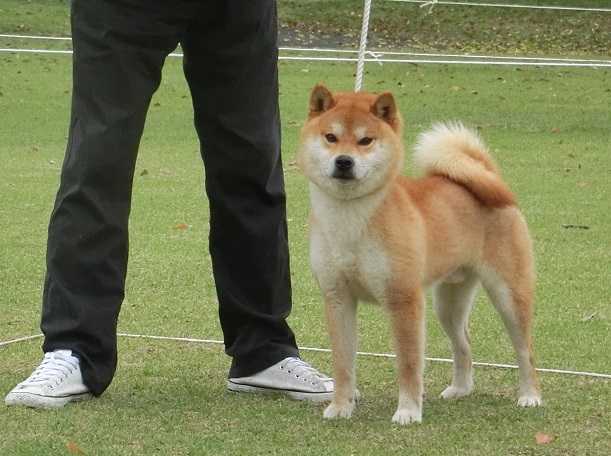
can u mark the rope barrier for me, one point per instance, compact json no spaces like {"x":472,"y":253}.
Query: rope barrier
{"x":451,"y":62}
{"x":432,"y":3}
{"x":379,"y":53}
{"x":375,"y":54}
{"x":327,"y":350}
{"x":464,"y":60}
{"x":36,"y":37}
{"x":20,"y":339}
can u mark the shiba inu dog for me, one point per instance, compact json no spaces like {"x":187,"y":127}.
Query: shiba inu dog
{"x":381,"y":237}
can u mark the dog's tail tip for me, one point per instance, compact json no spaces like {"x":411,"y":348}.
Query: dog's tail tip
{"x":458,"y":153}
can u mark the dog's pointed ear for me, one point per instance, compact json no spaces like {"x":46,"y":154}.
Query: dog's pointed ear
{"x":385,"y":108}
{"x":321,"y":100}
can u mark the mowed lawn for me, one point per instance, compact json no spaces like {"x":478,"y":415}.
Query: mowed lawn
{"x":549,"y":130}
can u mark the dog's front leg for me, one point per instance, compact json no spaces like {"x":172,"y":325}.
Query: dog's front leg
{"x":406,"y":308}
{"x":340,"y":310}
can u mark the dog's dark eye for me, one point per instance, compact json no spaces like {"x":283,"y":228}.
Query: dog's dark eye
{"x":365,"y":141}
{"x":330,"y":137}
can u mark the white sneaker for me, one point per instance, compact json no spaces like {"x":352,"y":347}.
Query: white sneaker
{"x":57,"y":381}
{"x":292,"y":377}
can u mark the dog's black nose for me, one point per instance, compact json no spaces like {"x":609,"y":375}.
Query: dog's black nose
{"x":344,"y":163}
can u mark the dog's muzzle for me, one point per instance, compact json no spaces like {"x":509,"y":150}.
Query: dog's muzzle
{"x":344,"y":167}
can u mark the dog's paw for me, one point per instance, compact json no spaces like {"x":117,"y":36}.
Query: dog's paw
{"x":335,"y":410}
{"x":454,"y":392}
{"x":530,"y":400}
{"x":405,"y":416}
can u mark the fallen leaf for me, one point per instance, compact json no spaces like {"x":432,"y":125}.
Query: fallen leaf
{"x":589,"y":316}
{"x":181,"y":226}
{"x":73,"y":448}
{"x":543,"y":439}
{"x":555,"y":130}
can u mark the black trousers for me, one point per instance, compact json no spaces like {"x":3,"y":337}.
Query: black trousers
{"x":230,"y":63}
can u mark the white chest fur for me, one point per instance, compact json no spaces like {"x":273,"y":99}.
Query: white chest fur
{"x":344,"y":250}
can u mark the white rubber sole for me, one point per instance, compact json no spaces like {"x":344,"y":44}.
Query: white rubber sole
{"x":325,"y":396}
{"x":43,"y":402}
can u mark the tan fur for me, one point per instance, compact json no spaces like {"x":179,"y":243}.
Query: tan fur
{"x":452,"y":151}
{"x":383,"y":237}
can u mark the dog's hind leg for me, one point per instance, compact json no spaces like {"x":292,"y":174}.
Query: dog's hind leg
{"x":340,"y":310}
{"x":514,"y":303}
{"x":453,"y":303}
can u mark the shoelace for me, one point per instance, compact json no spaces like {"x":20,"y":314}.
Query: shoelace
{"x":55,"y":366}
{"x":303,"y":370}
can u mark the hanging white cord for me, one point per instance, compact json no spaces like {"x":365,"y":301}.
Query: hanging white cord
{"x":360,"y":65}
{"x":430,"y":4}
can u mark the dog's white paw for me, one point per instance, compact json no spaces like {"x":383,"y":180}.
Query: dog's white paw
{"x":454,"y":392}
{"x":530,"y":400}
{"x":335,"y":410}
{"x":404,"y":416}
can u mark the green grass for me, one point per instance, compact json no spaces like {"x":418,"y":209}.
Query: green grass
{"x":170,"y":399}
{"x":549,"y":130}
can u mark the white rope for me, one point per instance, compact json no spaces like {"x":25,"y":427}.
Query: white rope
{"x":20,"y":339}
{"x":380,"y":53}
{"x":35,"y":51}
{"x":375,"y":54}
{"x":36,"y":37}
{"x":360,"y":65}
{"x":327,"y":350}
{"x":179,"y":339}
{"x":450,"y":62}
{"x":432,"y":3}
{"x":57,"y":51}
{"x":552,"y":63}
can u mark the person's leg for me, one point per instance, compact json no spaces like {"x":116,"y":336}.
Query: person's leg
{"x":119,"y":50}
{"x":231,"y":67}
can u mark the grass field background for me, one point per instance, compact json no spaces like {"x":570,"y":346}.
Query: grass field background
{"x":549,"y":130}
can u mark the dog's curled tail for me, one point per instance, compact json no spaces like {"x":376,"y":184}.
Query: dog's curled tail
{"x":453,"y":151}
